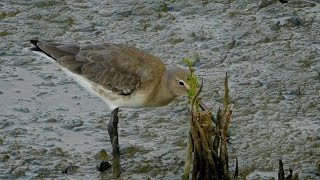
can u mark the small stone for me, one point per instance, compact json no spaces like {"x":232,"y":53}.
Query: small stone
{"x":231,"y":44}
{"x":76,"y":97}
{"x":303,"y":4}
{"x":275,"y":26}
{"x":73,"y":123}
{"x":19,"y":131}
{"x":57,"y":152}
{"x":18,"y":172}
{"x":21,"y":109}
{"x":102,"y":155}
{"x":62,"y":108}
{"x":4,"y":158}
{"x":171,"y":17}
{"x":283,"y":1}
{"x":265,"y":3}
{"x":61,"y":165}
{"x":41,"y":94}
{"x":294,"y":21}
{"x":257,"y":83}
{"x":104,"y":165}
{"x":52,"y":120}
{"x":71,"y":170}
{"x":43,"y":173}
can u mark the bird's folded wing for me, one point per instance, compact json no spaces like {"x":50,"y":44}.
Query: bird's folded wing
{"x":116,"y":67}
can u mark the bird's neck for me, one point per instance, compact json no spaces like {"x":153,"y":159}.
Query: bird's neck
{"x":164,"y":94}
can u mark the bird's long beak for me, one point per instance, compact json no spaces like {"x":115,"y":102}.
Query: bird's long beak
{"x":187,"y":86}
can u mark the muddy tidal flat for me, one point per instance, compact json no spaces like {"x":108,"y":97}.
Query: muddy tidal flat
{"x":269,"y":49}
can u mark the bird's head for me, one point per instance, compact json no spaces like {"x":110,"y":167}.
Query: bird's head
{"x":178,"y":83}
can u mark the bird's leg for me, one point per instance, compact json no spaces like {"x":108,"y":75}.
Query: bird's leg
{"x":113,"y":134}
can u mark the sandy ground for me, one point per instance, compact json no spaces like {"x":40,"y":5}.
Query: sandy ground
{"x":270,"y":50}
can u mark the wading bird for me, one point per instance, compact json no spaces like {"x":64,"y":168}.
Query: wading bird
{"x":121,"y":75}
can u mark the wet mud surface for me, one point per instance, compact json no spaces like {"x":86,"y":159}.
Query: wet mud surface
{"x":270,"y":50}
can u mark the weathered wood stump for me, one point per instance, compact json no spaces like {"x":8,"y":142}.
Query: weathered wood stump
{"x":207,"y":151}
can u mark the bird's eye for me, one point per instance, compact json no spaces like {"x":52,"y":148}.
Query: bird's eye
{"x":181,"y":83}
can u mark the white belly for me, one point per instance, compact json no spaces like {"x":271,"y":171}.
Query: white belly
{"x":111,"y":99}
